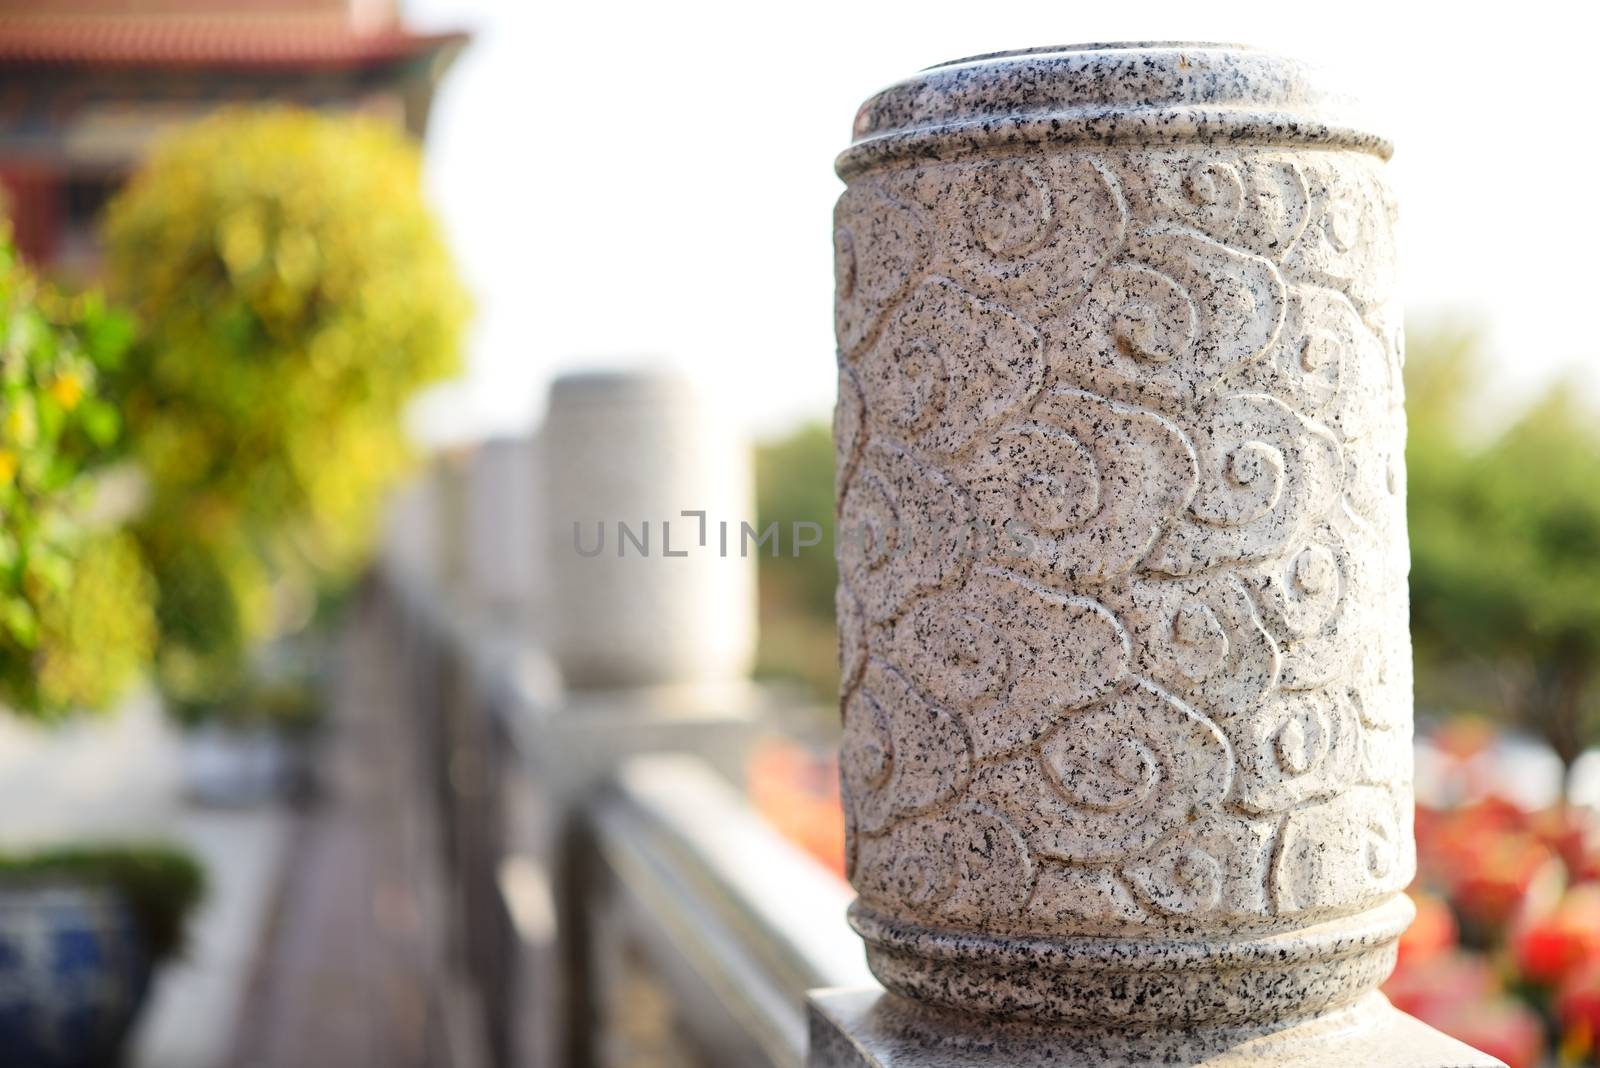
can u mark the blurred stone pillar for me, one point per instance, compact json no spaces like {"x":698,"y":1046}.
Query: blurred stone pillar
{"x":449,"y":496}
{"x":503,"y":535}
{"x":649,"y":617}
{"x":647,"y":485}
{"x":410,"y":551}
{"x":1123,"y":611}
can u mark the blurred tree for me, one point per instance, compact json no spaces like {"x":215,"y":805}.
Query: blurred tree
{"x":76,"y":622}
{"x":215,"y":606}
{"x":794,"y":485}
{"x":1505,"y":541}
{"x":294,"y":292}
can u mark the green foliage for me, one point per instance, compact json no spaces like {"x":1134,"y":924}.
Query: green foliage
{"x":216,"y":605}
{"x":295,"y":293}
{"x":97,"y":633}
{"x":160,"y":884}
{"x":1506,"y":544}
{"x":794,"y":484}
{"x":75,"y":613}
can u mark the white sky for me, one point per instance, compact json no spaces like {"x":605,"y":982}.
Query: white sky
{"x":652,"y":182}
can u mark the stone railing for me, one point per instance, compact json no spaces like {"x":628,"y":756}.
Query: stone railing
{"x":614,"y":896}
{"x":615,"y":899}
{"x":1127,"y":704}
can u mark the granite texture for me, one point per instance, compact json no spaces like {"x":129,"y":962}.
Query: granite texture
{"x":1120,"y":469}
{"x":1139,"y":93}
{"x":866,"y":1028}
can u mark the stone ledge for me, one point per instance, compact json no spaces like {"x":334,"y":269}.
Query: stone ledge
{"x":864,"y":1027}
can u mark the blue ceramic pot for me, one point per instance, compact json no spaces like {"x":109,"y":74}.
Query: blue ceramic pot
{"x":73,"y":972}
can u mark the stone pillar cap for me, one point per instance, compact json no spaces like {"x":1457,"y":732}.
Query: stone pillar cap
{"x":652,"y":385}
{"x":1144,"y":92}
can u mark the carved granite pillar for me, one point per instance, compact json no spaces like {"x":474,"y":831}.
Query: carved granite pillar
{"x":643,"y":480}
{"x":1122,"y":601}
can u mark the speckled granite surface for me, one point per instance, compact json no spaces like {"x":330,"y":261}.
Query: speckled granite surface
{"x":871,"y":1029}
{"x":1123,"y":612}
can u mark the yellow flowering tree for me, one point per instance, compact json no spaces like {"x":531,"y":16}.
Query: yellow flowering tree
{"x":76,"y":621}
{"x":295,"y":292}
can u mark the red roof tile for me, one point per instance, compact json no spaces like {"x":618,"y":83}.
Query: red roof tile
{"x":206,"y":41}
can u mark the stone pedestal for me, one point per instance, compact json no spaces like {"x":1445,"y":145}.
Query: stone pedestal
{"x":646,"y":487}
{"x":1122,"y":601}
{"x":871,"y":1029}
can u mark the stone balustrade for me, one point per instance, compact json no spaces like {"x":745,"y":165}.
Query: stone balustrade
{"x":1122,"y":604}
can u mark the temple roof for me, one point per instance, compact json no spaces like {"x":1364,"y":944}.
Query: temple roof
{"x":209,"y":33}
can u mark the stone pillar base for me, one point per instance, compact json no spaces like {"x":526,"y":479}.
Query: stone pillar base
{"x":864,"y":1027}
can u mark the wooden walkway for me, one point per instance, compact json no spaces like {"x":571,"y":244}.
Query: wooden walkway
{"x":354,"y":971}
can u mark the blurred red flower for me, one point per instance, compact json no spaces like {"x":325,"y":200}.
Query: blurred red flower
{"x":1553,"y":944}
{"x":1487,"y":866}
{"x":1492,"y":884}
{"x":1431,"y":987}
{"x":797,"y":791}
{"x":1573,"y":833}
{"x":1430,"y":934}
{"x":1578,"y":1011}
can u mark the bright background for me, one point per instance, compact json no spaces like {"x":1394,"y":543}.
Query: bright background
{"x":652,"y":182}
